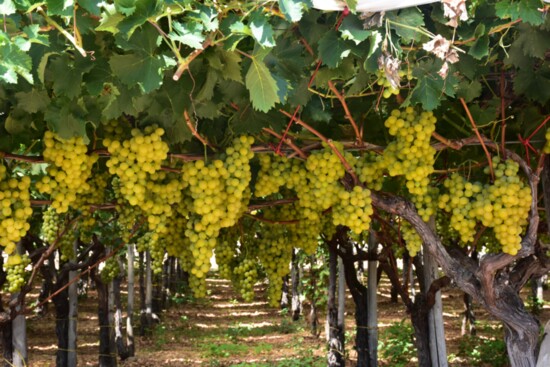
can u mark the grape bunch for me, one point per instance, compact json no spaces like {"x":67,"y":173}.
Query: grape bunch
{"x":274,"y":173}
{"x":370,"y":170}
{"x":219,"y":192}
{"x":503,"y":205}
{"x":546,"y":148}
{"x":353,"y":209}
{"x":225,"y":251}
{"x":69,"y":170}
{"x":54,"y":228}
{"x":460,"y":202}
{"x":15,"y":209}
{"x":410,"y":154}
{"x":110,"y":269}
{"x":413,"y":242}
{"x":389,"y":89}
{"x":15,"y":269}
{"x":245,"y":275}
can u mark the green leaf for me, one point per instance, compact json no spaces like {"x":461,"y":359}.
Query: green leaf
{"x":249,"y":121}
{"x":352,"y":29}
{"x":13,"y":62}
{"x":208,"y":16}
{"x":227,"y":63}
{"x":431,"y":88}
{"x":293,"y":10}
{"x":66,"y":74}
{"x":526,"y":10}
{"x":409,"y":17}
{"x":534,"y":84}
{"x":207,"y":90}
{"x":142,"y":67}
{"x":469,"y":90}
{"x":332,"y":49}
{"x":33,"y":35}
{"x":33,"y":101}
{"x":480,"y":48}
{"x":60,"y":7}
{"x":533,"y":41}
{"x":91,"y":6}
{"x":110,"y":19}
{"x":261,"y":29}
{"x":352,"y":5}
{"x":189,"y":34}
{"x":67,"y":119}
{"x":126,"y":7}
{"x":145,"y":9}
{"x":262,"y":86}
{"x":18,"y":122}
{"x":7,"y":7}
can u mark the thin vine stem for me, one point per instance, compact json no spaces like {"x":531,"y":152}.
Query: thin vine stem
{"x":481,"y":140}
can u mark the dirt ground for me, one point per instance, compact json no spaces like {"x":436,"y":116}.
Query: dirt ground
{"x":224,"y":331}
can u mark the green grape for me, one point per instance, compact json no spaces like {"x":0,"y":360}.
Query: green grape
{"x":15,"y":267}
{"x":15,"y":209}
{"x":503,"y":206}
{"x":245,"y":275}
{"x":413,"y":242}
{"x":110,"y":270}
{"x":411,"y":154}
{"x":53,"y":229}
{"x":274,"y":172}
{"x":68,"y":172}
{"x":370,"y":171}
{"x":225,"y":250}
{"x":546,"y":148}
{"x":219,"y":192}
{"x":353,"y":210}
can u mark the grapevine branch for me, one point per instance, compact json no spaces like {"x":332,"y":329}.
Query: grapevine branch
{"x":287,"y":142}
{"x":476,"y":131}
{"x":328,"y":142}
{"x":194,"y":130}
{"x":349,"y":117}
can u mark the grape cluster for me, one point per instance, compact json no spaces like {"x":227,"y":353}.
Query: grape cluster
{"x":413,"y":242}
{"x":225,"y":251}
{"x":353,"y":209}
{"x":15,"y":269}
{"x":274,"y":173}
{"x":15,"y":209}
{"x":245,"y":275}
{"x":460,"y":202}
{"x":110,"y":270}
{"x":69,"y":170}
{"x":219,"y":192}
{"x":503,"y":206}
{"x":389,"y":89}
{"x":54,"y":229}
{"x":370,"y":170}
{"x":411,"y":154}
{"x":546,"y":148}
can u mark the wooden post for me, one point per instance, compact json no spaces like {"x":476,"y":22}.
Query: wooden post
{"x":130,"y":304}
{"x":73,"y":314}
{"x":19,"y":331}
{"x":372,"y":311}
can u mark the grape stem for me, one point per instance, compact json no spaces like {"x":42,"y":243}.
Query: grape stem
{"x":328,"y":142}
{"x":348,"y":115}
{"x":287,"y":141}
{"x":194,"y":130}
{"x":481,"y":140}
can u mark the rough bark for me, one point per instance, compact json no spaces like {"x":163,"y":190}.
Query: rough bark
{"x":487,"y":281}
{"x":313,"y":317}
{"x":121,"y":347}
{"x":372,"y":309}
{"x":72,"y":315}
{"x":61,"y":303}
{"x":285,"y":299}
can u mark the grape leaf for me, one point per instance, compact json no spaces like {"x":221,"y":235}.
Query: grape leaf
{"x":526,"y":10}
{"x":332,"y":49}
{"x":533,"y":41}
{"x":208,"y":16}
{"x":261,"y":29}
{"x":227,"y":63}
{"x":189,"y":34}
{"x":352,"y":29}
{"x":60,"y":7}
{"x":410,"y":17}
{"x":33,"y":35}
{"x":293,"y":10}
{"x":33,"y":101}
{"x":7,"y":7}
{"x":13,"y":62}
{"x":469,"y":90}
{"x":431,"y":87}
{"x":110,"y":19}
{"x":480,"y":48}
{"x":145,"y":9}
{"x":67,"y":74}
{"x":18,"y":122}
{"x":67,"y":119}
{"x":534,"y":84}
{"x":126,"y":7}
{"x":262,"y":86}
